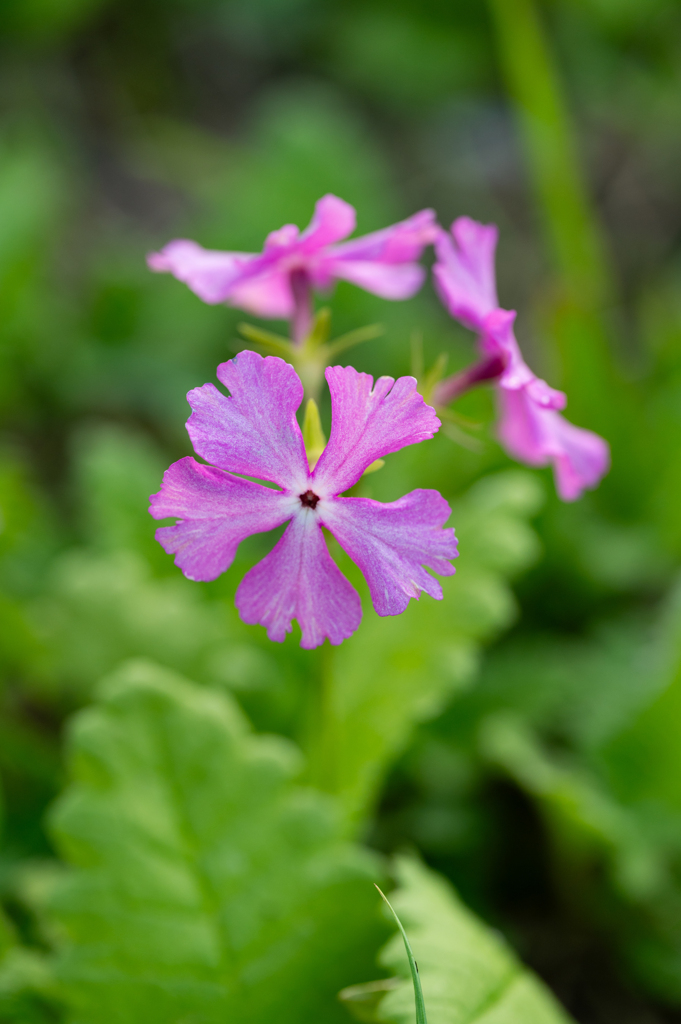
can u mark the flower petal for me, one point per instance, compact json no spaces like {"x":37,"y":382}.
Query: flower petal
{"x":266,"y":294}
{"x":523,"y":428}
{"x":210,"y":274}
{"x":389,"y":281}
{"x":537,"y":436}
{"x":400,"y":243}
{"x":464,"y":271}
{"x":390,"y":544}
{"x":580,"y":458}
{"x":368,"y":424}
{"x":332,"y":220}
{"x":255,"y":432}
{"x":299,"y":580}
{"x":281,"y":240}
{"x":217,"y":511}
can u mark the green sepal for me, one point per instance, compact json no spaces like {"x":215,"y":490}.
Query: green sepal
{"x":353,"y":338}
{"x":434,"y":375}
{"x":268,"y":339}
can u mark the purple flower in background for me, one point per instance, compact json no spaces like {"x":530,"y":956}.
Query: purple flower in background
{"x":255,"y":433}
{"x":276,"y":282}
{"x":530,"y":425}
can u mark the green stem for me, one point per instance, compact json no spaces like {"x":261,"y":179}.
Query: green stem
{"x":323,"y":740}
{"x":578,"y":316}
{"x":550,"y":149}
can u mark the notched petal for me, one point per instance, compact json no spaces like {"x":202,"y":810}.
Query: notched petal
{"x":369,"y":423}
{"x":391,"y":543}
{"x":217,"y":511}
{"x":299,"y":580}
{"x":254,"y":431}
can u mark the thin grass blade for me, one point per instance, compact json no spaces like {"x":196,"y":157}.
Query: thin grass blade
{"x":413,"y":966}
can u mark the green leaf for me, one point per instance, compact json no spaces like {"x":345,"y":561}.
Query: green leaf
{"x":206,"y":885}
{"x":469,"y":974}
{"x":101,"y":609}
{"x":7,"y":936}
{"x":27,"y":987}
{"x":583,"y":815}
{"x":116,"y":470}
{"x":643,"y":761}
{"x":601,"y":843}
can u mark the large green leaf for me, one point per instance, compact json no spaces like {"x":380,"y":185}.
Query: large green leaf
{"x":469,"y":974}
{"x":206,"y":885}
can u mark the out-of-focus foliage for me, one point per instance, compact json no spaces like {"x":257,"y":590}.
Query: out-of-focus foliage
{"x":526,"y":742}
{"x":384,"y":679}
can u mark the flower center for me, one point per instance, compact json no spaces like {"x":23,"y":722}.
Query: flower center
{"x":309,"y":499}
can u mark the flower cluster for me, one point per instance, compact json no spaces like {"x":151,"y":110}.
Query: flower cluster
{"x":253,"y":434}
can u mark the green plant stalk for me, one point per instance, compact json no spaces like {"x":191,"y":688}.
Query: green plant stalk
{"x":321,"y":740}
{"x":585,"y":292}
{"x":413,"y":967}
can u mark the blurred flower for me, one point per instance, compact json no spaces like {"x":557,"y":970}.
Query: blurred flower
{"x":255,"y":433}
{"x":277,"y":282}
{"x":530,"y":425}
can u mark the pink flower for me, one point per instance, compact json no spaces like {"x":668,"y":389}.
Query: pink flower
{"x":264,"y":283}
{"x":255,"y":433}
{"x":530,"y":425}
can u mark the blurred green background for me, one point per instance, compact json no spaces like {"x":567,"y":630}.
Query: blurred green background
{"x":525,"y":734}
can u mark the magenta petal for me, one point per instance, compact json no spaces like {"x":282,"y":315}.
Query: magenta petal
{"x":390,"y":544}
{"x":387,"y":280}
{"x":523,"y":427}
{"x":281,"y":239}
{"x":210,"y":274}
{"x":538,"y":436}
{"x":581,"y":458}
{"x":333,"y":219}
{"x":464,"y":271}
{"x":255,"y":432}
{"x":368,"y":424}
{"x":400,"y":243}
{"x":299,"y":580}
{"x":217,"y":511}
{"x":267,"y":294}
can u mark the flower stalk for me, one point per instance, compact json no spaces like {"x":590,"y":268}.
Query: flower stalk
{"x":303,"y":317}
{"x":456,"y":385}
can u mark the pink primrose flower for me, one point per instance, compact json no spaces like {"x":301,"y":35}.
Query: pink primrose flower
{"x":265,"y":283}
{"x":254,"y":433}
{"x":530,"y":425}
